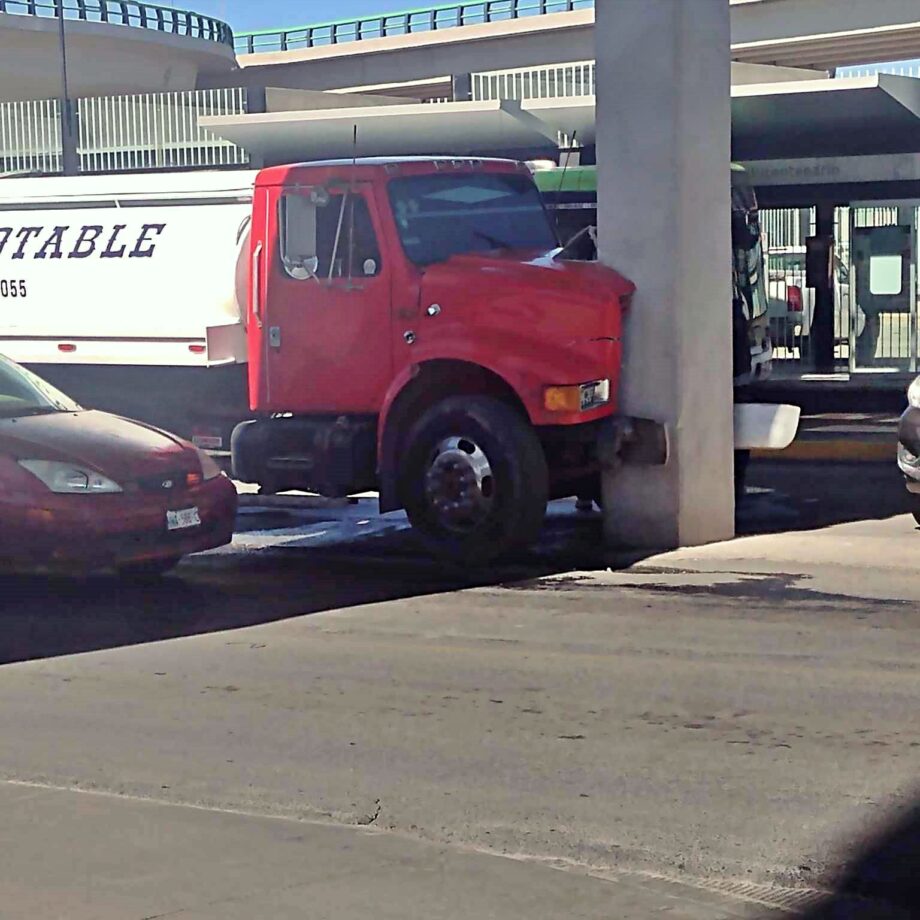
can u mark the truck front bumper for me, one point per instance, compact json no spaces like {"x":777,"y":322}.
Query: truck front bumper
{"x":625,"y":439}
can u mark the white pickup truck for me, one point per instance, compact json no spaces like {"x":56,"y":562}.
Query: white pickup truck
{"x":791,"y":303}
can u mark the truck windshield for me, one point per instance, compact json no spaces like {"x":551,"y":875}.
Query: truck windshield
{"x":22,"y":393}
{"x":439,"y":216}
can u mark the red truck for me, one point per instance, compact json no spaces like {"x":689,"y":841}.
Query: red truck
{"x":413,"y":330}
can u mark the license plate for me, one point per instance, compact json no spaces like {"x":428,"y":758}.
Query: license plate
{"x":588,"y":395}
{"x":179,"y":520}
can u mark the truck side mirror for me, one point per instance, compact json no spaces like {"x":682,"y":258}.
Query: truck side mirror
{"x":298,"y":236}
{"x":307,"y":268}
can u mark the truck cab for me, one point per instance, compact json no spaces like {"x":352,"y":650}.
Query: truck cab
{"x":411,"y":331}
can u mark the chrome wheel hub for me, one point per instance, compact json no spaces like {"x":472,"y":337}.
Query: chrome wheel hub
{"x":459,"y":484}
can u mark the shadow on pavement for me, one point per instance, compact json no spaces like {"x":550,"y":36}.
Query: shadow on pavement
{"x":43,"y":617}
{"x":290,"y":573}
{"x":790,"y":496}
{"x":882,"y":879}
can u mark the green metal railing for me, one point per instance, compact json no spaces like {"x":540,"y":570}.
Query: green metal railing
{"x":127,"y":13}
{"x":404,"y":22}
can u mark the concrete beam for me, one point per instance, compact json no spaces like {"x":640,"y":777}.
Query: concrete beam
{"x":552,"y":39}
{"x":770,"y":20}
{"x":663,"y":153}
{"x":824,"y":33}
{"x":818,"y":34}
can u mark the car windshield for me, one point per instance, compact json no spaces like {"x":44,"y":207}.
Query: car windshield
{"x":22,"y":393}
{"x":439,"y":216}
{"x":786,"y":261}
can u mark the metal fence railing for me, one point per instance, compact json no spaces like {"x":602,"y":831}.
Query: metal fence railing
{"x":864,"y":338}
{"x":898,"y":68}
{"x":30,"y":137}
{"x":156,"y":131}
{"x":549,"y":82}
{"x":405,"y":22}
{"x":127,"y":13}
{"x":122,"y":133}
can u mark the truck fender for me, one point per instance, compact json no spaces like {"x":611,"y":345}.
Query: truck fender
{"x":471,"y":376}
{"x":386,"y":446}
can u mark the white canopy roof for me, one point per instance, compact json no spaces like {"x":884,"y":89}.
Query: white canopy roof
{"x":402,"y":130}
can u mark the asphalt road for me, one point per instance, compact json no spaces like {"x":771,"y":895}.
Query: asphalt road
{"x":743,"y":717}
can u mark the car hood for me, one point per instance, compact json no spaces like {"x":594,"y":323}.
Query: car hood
{"x":114,"y":446}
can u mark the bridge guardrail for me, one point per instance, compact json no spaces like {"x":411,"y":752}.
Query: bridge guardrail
{"x":127,"y":13}
{"x":404,"y":22}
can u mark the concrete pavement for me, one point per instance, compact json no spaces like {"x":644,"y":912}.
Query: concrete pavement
{"x":70,"y":855}
{"x":740,"y":719}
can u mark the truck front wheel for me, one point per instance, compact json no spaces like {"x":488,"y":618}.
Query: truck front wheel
{"x":474,"y":480}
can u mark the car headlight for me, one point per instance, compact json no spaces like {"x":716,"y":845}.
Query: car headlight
{"x":913,"y":394}
{"x":69,"y":478}
{"x":209,"y":466}
{"x":577,"y":398}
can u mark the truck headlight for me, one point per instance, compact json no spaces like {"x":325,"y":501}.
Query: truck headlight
{"x":913,"y":394}
{"x":577,"y":397}
{"x":69,"y":478}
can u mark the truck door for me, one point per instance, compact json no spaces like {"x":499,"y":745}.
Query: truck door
{"x":326,"y":335}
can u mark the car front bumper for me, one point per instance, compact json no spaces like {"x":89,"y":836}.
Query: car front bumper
{"x":91,"y":532}
{"x":909,"y":447}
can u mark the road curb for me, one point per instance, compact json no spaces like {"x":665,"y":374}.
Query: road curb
{"x":311,"y":502}
{"x":834,"y":450}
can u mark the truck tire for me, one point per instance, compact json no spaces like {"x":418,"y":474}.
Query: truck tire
{"x":474,"y":480}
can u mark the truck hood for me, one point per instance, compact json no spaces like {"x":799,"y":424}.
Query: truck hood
{"x":568,"y":301}
{"x":533,"y":320}
{"x":118,"y":448}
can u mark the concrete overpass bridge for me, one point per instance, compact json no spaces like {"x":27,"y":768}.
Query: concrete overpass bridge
{"x":412,"y":47}
{"x":128,"y":46}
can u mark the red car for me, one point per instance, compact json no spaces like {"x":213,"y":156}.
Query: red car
{"x":84,"y":490}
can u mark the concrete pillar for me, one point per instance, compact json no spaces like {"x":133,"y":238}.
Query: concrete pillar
{"x":663,"y":154}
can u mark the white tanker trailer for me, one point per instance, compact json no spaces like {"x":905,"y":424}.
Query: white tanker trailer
{"x":129,"y":292}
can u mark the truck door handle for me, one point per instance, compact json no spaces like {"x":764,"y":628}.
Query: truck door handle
{"x":255,"y":276}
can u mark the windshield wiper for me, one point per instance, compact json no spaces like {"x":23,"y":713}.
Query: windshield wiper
{"x":579,"y":237}
{"x":36,"y":410}
{"x":493,"y":240}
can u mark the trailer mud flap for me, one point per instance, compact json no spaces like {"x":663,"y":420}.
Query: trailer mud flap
{"x":632,"y":441}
